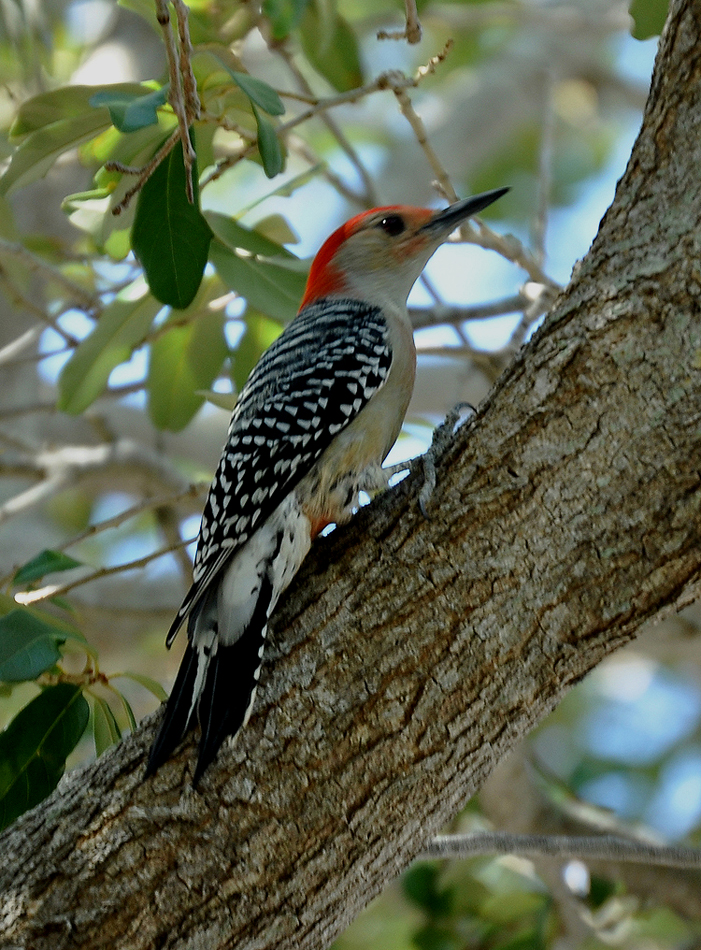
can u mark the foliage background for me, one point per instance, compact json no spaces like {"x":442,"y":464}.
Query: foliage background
{"x":111,"y":404}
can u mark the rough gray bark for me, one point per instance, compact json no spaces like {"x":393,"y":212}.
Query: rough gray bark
{"x":412,"y":654}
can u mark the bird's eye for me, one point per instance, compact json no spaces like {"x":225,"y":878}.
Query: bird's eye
{"x":392,"y":224}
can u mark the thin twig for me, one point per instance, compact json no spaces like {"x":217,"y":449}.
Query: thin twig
{"x":160,"y":501}
{"x":332,"y":126}
{"x":35,"y":495}
{"x":67,"y":465}
{"x":34,"y":358}
{"x":387,"y":80}
{"x":538,"y":300}
{"x":436,"y":316}
{"x":21,"y":302}
{"x":393,"y":79}
{"x":407,"y":109}
{"x":192,"y":99}
{"x":59,"y":590}
{"x":412,"y":30}
{"x":144,"y":172}
{"x":169,"y":526}
{"x":600,"y":848}
{"x":545,"y":164}
{"x":176,"y":95}
{"x":229,"y":125}
{"x":15,"y":411}
{"x":302,"y":148}
{"x":10,"y":353}
{"x":78,"y":294}
{"x":509,"y":247}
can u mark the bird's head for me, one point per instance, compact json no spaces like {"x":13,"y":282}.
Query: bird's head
{"x":380,"y":253}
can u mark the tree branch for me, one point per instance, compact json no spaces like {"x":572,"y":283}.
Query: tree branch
{"x":411,"y":655}
{"x":601,"y":847}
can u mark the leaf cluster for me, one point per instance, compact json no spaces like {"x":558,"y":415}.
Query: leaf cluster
{"x":37,"y":742}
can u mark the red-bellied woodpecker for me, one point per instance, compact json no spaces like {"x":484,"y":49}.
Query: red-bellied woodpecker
{"x":310,"y":429}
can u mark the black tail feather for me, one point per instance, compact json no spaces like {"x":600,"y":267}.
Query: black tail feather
{"x":229,"y":689}
{"x":225,"y":697}
{"x":175,"y":722}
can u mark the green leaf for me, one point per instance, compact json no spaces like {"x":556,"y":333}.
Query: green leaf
{"x":421,"y":886}
{"x":283,"y":16}
{"x":432,"y":937}
{"x":51,"y":124}
{"x":8,"y":227}
{"x":7,"y":604}
{"x":170,"y":236}
{"x":150,"y":684}
{"x":35,"y":745}
{"x":39,"y":151}
{"x":225,"y":401}
{"x":259,"y":92}
{"x":69,"y":102}
{"x":183,"y":360}
{"x":268,"y":286}
{"x":276,"y":228}
{"x":527,"y":938}
{"x":135,"y":149}
{"x":648,"y":17}
{"x":268,"y":145}
{"x":105,"y":730}
{"x":128,"y":711}
{"x":331,"y":46}
{"x":48,"y":562}
{"x":28,"y":646}
{"x":236,"y":236}
{"x":287,"y":188}
{"x":260,"y":332}
{"x":121,"y":328}
{"x":131,"y":111}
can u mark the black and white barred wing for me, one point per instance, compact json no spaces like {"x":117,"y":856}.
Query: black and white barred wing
{"x":308,"y":386}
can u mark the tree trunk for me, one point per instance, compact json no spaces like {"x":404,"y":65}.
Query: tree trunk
{"x":412,"y":654}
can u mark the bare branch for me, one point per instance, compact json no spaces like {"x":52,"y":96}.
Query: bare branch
{"x":176,"y":95}
{"x":544,"y":169}
{"x":10,"y":353}
{"x":36,"y":495}
{"x":190,"y":95}
{"x":385,"y":81}
{"x":407,"y":109}
{"x":77,"y":294}
{"x":434,"y":316}
{"x":302,"y":148}
{"x":412,"y":30}
{"x":193,"y":491}
{"x":59,"y":590}
{"x":169,"y":525}
{"x":144,"y":172}
{"x":68,"y":465}
{"x":597,"y":847}
{"x":369,"y":196}
{"x":512,"y":249}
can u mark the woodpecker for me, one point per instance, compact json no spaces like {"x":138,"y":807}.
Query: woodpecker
{"x":310,"y":430}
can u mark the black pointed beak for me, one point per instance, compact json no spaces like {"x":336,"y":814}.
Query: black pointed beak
{"x":443,"y":222}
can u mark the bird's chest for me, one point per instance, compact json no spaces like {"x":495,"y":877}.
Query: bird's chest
{"x":353,"y":461}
